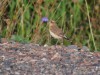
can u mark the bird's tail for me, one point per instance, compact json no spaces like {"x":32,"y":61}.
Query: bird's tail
{"x":68,"y":39}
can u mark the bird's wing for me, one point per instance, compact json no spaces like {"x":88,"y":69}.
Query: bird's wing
{"x":59,"y":31}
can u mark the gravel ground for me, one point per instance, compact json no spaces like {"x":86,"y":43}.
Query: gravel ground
{"x":32,"y":59}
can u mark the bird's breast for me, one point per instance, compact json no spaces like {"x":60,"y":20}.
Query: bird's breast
{"x":55,"y":35}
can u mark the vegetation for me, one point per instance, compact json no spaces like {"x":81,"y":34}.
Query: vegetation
{"x":20,"y":20}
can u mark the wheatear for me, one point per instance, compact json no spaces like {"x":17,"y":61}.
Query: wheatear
{"x":55,"y":31}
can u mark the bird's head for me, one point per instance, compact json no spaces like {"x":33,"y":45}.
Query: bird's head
{"x":52,"y":22}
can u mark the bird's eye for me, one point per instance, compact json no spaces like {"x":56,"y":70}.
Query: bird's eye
{"x":52,"y":21}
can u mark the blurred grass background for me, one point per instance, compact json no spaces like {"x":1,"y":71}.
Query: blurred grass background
{"x":20,"y":20}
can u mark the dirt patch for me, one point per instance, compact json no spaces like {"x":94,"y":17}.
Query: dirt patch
{"x":30,"y":59}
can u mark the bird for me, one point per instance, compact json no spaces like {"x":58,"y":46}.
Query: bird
{"x":56,"y":32}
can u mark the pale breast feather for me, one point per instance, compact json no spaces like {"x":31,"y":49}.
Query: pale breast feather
{"x":55,"y":36}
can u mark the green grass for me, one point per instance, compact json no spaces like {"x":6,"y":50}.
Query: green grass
{"x":20,"y":20}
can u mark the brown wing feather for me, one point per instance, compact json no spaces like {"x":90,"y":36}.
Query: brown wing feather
{"x":55,"y":29}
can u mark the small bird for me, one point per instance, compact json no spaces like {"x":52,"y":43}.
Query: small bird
{"x":56,"y":32}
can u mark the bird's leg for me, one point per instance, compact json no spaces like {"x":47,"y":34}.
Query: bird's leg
{"x":57,"y":42}
{"x":50,"y":40}
{"x":62,"y":42}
